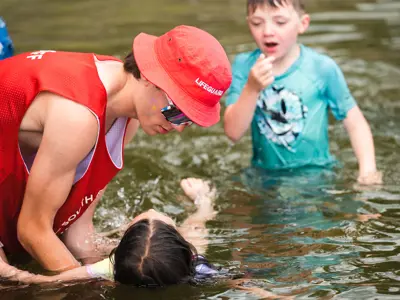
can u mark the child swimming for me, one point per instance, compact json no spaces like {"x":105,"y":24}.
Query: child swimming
{"x":153,"y":250}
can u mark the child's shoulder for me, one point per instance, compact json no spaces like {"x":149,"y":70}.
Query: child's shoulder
{"x":317,"y":60}
{"x":247,"y":58}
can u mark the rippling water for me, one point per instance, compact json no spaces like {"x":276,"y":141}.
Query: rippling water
{"x":300,"y":233}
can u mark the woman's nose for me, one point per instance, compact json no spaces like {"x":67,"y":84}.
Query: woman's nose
{"x":180,"y":128}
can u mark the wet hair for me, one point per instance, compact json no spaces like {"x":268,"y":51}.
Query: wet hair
{"x":153,"y":254}
{"x":252,"y":5}
{"x":131,"y":66}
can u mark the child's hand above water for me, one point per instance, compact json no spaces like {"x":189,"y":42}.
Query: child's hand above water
{"x":371,"y":178}
{"x":194,"y":227}
{"x":260,"y":75}
{"x":198,"y":190}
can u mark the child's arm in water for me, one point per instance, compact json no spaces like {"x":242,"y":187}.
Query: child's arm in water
{"x":193,"y":229}
{"x":363,"y":145}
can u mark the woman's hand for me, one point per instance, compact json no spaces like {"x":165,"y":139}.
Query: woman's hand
{"x":10,"y":273}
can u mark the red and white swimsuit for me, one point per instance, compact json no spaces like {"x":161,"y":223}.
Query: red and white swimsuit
{"x":73,"y":76}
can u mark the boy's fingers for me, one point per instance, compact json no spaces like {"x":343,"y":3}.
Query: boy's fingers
{"x":268,"y":62}
{"x":265,"y":67}
{"x":267,"y":80}
{"x":270,"y":59}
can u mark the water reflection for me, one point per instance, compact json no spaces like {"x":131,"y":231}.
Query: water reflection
{"x":296,"y":233}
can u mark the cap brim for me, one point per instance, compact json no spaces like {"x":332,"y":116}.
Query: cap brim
{"x":150,"y":67}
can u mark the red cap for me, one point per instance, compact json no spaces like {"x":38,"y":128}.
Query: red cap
{"x":190,"y":65}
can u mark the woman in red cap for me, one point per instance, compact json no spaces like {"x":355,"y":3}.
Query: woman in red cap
{"x":65,"y":118}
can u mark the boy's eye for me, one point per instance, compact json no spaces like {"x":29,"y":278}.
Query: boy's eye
{"x":256,"y":23}
{"x":281,"y":22}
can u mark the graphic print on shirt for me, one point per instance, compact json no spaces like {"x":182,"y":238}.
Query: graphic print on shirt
{"x":280,"y":116}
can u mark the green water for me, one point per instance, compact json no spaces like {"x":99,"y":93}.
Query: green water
{"x":299,"y":232}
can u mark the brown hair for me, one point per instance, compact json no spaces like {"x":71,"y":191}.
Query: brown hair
{"x":252,"y":5}
{"x":151,"y":254}
{"x":131,"y":66}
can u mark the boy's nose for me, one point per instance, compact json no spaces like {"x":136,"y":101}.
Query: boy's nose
{"x":269,"y":29}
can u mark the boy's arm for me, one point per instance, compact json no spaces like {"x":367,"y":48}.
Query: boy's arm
{"x":238,"y":116}
{"x":194,"y":229}
{"x":344,"y":107}
{"x":363,"y":145}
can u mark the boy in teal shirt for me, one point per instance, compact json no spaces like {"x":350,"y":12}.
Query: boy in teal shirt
{"x":283,"y":91}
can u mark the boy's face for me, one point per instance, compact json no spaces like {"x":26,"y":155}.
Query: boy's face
{"x":275,"y":29}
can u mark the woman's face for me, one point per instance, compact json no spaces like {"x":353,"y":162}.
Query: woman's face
{"x":151,"y":214}
{"x":149,"y":108}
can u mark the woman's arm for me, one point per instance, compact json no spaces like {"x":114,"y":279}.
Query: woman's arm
{"x":11,"y":273}
{"x":65,"y":142}
{"x":193,"y":229}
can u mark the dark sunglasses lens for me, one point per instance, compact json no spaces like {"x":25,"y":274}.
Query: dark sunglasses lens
{"x":175,"y":116}
{"x":179,"y":119}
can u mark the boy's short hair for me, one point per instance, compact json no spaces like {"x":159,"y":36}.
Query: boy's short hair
{"x":252,"y":5}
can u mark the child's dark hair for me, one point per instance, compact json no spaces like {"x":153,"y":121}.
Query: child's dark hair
{"x":253,"y":4}
{"x":131,"y":66}
{"x":153,"y":253}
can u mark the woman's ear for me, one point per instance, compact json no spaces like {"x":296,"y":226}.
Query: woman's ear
{"x":304,"y":23}
{"x":145,"y":81}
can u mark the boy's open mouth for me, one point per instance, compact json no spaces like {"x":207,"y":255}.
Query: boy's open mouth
{"x":271,"y":45}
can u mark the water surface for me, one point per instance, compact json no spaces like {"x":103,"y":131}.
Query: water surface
{"x":297,"y":233}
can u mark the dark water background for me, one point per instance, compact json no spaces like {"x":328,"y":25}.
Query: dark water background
{"x":297,"y":233}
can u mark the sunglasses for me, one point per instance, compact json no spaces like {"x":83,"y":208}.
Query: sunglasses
{"x":174,"y":115}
